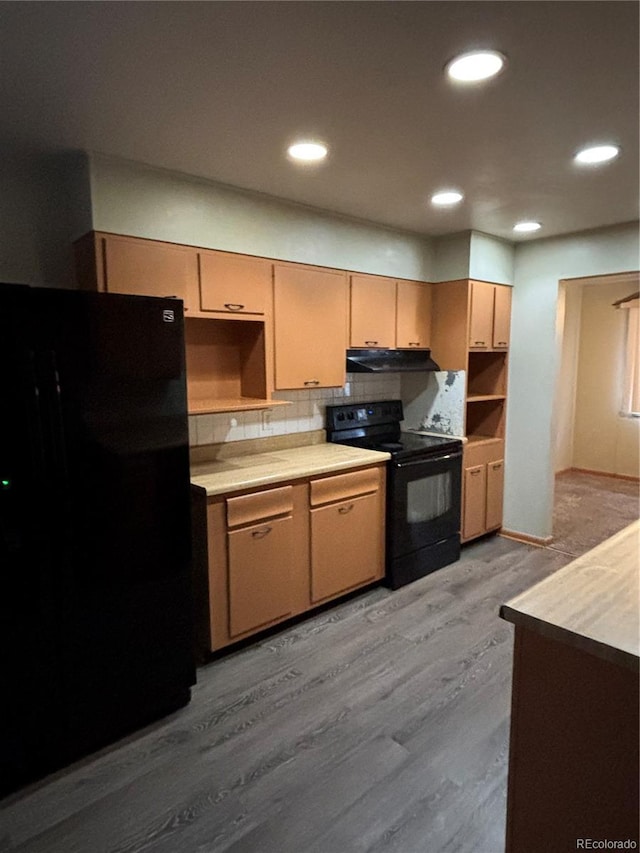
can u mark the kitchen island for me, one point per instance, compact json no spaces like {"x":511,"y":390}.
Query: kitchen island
{"x":573,"y":764}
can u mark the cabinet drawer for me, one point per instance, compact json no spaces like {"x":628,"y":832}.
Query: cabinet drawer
{"x":259,"y":505}
{"x":344,"y":486}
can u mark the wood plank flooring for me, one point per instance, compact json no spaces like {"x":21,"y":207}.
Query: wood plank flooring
{"x":378,"y":725}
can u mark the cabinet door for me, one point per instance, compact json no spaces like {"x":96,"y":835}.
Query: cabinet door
{"x":310,"y":320}
{"x":260,"y":560}
{"x":345,"y":551}
{"x":233,"y":284}
{"x":373,"y":311}
{"x":481,"y":320}
{"x":413,"y":315}
{"x":149,"y":268}
{"x":495,"y":493}
{"x":501,"y":317}
{"x":473,"y":513}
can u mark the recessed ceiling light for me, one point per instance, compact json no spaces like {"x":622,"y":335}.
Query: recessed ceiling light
{"x":525,"y":227}
{"x":597,"y":154}
{"x":475,"y":66}
{"x":307,"y":152}
{"x":446,"y":197}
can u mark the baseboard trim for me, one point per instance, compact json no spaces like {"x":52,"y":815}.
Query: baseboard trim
{"x":600,"y":474}
{"x":538,"y":541}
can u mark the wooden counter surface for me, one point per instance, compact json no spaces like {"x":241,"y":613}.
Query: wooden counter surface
{"x":592,"y":603}
{"x":250,"y":471}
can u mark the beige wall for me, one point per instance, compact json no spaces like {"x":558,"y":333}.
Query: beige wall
{"x":603,"y":440}
{"x":564,"y":409}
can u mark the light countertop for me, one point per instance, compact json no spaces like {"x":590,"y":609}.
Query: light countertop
{"x":592,"y":603}
{"x":222,"y":476}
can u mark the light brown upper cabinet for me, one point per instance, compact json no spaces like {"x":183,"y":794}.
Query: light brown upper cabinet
{"x":501,"y":317}
{"x":118,"y":264}
{"x":490,"y":316}
{"x":234,"y":284}
{"x":413,"y":315}
{"x":373,"y":311}
{"x":310,"y":328}
{"x":389,"y":314}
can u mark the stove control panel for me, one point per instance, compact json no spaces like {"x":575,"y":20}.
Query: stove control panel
{"x":364,"y":414}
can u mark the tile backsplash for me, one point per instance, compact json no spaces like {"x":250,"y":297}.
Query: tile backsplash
{"x":306,"y":412}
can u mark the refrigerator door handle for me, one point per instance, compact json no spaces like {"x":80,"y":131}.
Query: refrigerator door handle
{"x":51,"y":387}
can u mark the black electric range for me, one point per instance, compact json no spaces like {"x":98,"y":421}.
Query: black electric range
{"x":423,"y":486}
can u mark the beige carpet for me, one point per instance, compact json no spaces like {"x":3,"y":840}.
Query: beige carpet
{"x":589,"y":508}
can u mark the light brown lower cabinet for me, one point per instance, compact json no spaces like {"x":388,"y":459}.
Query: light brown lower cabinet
{"x":347,"y":549}
{"x":483,"y":488}
{"x":260,"y":561}
{"x":266,"y":556}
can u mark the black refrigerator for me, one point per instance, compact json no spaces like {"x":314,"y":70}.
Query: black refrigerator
{"x":95,"y":554}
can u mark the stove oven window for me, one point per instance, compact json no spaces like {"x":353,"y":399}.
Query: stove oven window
{"x":428,"y":498}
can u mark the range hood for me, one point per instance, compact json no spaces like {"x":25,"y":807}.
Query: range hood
{"x":389,"y":361}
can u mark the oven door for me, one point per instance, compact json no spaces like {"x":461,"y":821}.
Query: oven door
{"x":423,"y":502}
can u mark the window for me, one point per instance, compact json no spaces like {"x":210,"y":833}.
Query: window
{"x":631,"y":387}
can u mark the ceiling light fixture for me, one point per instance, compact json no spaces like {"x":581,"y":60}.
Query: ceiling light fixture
{"x":475,"y":66}
{"x":596,"y":154}
{"x":446,"y":198}
{"x":526,"y":227}
{"x":307,"y":152}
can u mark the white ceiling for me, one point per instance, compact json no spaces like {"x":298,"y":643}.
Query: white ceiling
{"x":218,"y":89}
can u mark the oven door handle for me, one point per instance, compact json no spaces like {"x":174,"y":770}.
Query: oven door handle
{"x":457,"y":454}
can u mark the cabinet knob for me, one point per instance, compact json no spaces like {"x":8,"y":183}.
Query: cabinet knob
{"x":343,"y":510}
{"x":371,"y":343}
{"x":233,"y":306}
{"x":261,"y":532}
{"x":311,"y":381}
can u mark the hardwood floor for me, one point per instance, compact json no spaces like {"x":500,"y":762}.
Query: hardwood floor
{"x":378,"y":725}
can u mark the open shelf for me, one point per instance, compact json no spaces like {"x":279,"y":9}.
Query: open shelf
{"x":485,"y":418}
{"x":482,"y":398}
{"x":234,"y":404}
{"x":226,"y":366}
{"x":487,"y":375}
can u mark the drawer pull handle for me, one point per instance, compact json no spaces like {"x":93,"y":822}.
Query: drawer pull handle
{"x":371,"y":343}
{"x":233,"y":306}
{"x":476,"y":472}
{"x":479,"y":343}
{"x":311,"y":381}
{"x":501,"y":343}
{"x":414,"y":343}
{"x":261,"y":533}
{"x":343,"y":510}
{"x":497,"y":466}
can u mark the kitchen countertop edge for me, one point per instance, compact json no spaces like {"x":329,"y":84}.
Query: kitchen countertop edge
{"x":557,"y":608}
{"x":220,"y":477}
